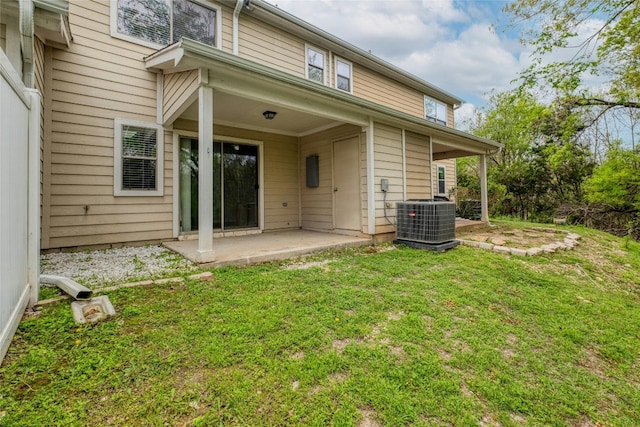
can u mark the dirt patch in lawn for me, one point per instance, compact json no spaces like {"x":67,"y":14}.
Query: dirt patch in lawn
{"x":502,"y":235}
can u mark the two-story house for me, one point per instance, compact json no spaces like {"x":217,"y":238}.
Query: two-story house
{"x":170,"y":118}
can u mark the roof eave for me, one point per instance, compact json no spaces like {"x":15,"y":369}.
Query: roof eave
{"x":286,"y":21}
{"x":189,"y":54}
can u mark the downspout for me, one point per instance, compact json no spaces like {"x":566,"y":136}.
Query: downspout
{"x":76,"y":290}
{"x":26,"y":42}
{"x":236,"y":13}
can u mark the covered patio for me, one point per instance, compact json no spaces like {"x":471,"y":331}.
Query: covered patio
{"x":330,"y":163}
{"x":277,"y":245}
{"x":264,"y":247}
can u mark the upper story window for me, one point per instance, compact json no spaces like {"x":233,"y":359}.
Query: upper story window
{"x":157,"y":23}
{"x":316,"y":65}
{"x":343,"y":75}
{"x":435,"y":111}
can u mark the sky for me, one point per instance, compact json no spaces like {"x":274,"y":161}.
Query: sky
{"x":462,"y":46}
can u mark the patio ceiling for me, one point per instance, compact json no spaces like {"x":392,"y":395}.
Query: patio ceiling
{"x":237,"y":111}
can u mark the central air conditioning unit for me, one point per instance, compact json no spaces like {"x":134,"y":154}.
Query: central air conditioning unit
{"x":426,"y":224}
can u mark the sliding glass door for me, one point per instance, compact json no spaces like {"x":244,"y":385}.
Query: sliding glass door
{"x":235,"y":185}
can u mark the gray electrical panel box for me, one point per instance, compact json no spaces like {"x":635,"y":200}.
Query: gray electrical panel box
{"x":313,"y":171}
{"x":384,"y":184}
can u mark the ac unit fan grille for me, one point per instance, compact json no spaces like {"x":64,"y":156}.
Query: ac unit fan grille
{"x":431,"y":222}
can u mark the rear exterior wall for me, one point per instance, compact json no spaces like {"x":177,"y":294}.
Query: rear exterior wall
{"x":101,"y":78}
{"x":280,"y":157}
{"x":317,"y":203}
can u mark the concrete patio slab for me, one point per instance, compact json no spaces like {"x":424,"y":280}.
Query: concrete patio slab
{"x":268,"y":246}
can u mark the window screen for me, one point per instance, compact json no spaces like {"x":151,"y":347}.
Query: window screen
{"x":435,"y":111}
{"x":139,"y":158}
{"x":343,"y":76}
{"x":442,"y":188}
{"x":145,"y":19}
{"x":193,"y":21}
{"x":166,"y":21}
{"x":315,"y":65}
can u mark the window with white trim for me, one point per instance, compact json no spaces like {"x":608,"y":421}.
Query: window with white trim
{"x":435,"y":111}
{"x":158,"y":23}
{"x":442,"y":180}
{"x":343,"y":75}
{"x":316,"y":65}
{"x":138,"y":158}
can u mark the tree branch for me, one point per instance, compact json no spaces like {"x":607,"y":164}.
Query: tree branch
{"x":593,"y":102}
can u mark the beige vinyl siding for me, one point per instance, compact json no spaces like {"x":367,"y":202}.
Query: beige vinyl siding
{"x":271,"y":46}
{"x":98,"y":79}
{"x":177,"y":89}
{"x":227,"y":28}
{"x":281,"y":201}
{"x":450,"y":175}
{"x":450,"y":116}
{"x":382,"y":90}
{"x":387,"y":164}
{"x":418,"y":166}
{"x":280,"y":155}
{"x":317,"y":203}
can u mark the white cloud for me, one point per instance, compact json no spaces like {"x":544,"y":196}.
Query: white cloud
{"x":444,"y":11}
{"x":464,"y":116}
{"x":446,"y":43}
{"x":475,"y":63}
{"x":389,"y":29}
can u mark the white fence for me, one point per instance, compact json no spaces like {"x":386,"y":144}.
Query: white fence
{"x":19,"y":199}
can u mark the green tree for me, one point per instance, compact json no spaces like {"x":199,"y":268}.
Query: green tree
{"x":613,"y":193}
{"x":513,"y":118}
{"x":543,"y":162}
{"x":616,"y":182}
{"x":610,"y":48}
{"x":602,"y":38}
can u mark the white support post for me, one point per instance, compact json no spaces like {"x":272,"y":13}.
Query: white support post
{"x":33,"y":189}
{"x":371,"y":192}
{"x":484,"y":200}
{"x":205,"y":175}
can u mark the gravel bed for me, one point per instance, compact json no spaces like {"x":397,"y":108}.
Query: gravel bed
{"x":107,"y":267}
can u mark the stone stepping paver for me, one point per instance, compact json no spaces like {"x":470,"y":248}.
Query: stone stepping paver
{"x":569,"y":242}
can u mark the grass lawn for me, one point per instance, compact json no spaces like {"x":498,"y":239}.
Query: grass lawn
{"x":364,"y":337}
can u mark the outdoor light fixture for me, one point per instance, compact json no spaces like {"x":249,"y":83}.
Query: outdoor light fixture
{"x":269,"y":115}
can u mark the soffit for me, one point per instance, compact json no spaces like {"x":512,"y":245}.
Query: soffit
{"x":52,"y":27}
